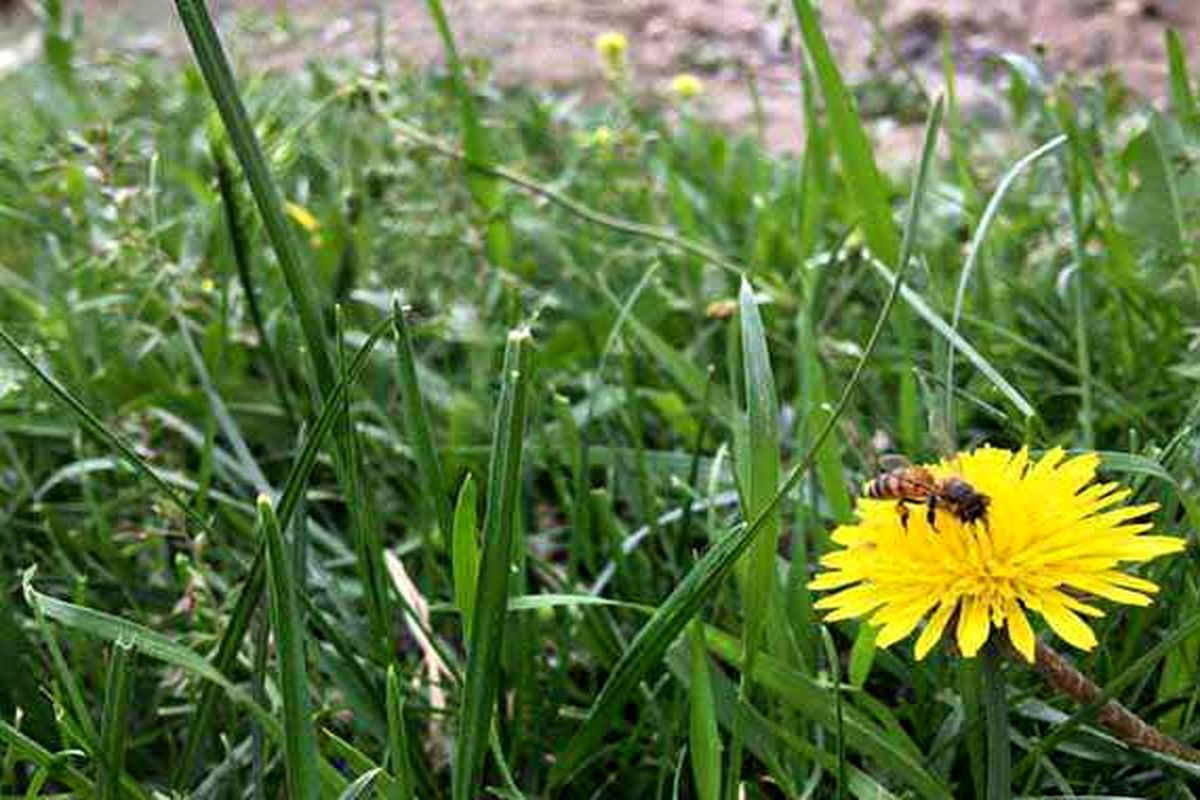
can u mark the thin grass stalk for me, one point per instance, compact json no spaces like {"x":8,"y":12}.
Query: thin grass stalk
{"x":484,"y":651}
{"x":705,"y":737}
{"x":416,"y":424}
{"x":239,"y":243}
{"x":114,"y":722}
{"x":397,"y":741}
{"x":761,"y":449}
{"x":835,"y":679}
{"x":973,"y":252}
{"x":300,"y":743}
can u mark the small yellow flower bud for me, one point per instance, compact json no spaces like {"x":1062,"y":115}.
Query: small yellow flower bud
{"x":687,"y":86}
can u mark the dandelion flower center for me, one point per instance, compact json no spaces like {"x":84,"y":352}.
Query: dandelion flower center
{"x":1052,"y":542}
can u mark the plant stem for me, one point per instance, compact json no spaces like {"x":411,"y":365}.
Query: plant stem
{"x":995,"y":712}
{"x":1063,"y":676}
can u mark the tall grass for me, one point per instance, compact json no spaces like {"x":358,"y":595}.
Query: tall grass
{"x":726,"y":340}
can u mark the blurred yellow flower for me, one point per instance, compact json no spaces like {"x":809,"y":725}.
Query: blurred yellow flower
{"x":1051,"y":539}
{"x":612,"y":47}
{"x":602,"y":137}
{"x":687,"y":86}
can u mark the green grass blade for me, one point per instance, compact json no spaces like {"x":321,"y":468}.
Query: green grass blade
{"x":210,"y":56}
{"x":867,"y":190}
{"x":704,"y":744}
{"x":1183,"y":100}
{"x":835,"y":677}
{"x":30,"y":750}
{"x":995,"y":715}
{"x":867,"y":187}
{"x":361,"y":784}
{"x":113,"y":629}
{"x":300,"y":742}
{"x":368,"y":546}
{"x":465,"y":553}
{"x":481,"y":680}
{"x":416,"y":423}
{"x":114,"y":721}
{"x":398,"y":763}
{"x":706,"y":575}
{"x":761,"y":430}
{"x":973,"y":253}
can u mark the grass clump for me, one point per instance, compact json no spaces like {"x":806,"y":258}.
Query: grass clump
{"x":307,"y":292}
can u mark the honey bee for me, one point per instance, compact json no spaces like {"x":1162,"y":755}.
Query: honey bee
{"x":908,"y":484}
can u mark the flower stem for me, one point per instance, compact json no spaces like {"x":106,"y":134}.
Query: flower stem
{"x":1063,"y":676}
{"x":995,"y":713}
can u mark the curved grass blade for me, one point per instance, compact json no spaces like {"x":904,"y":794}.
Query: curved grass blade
{"x":481,"y":680}
{"x":707,"y":574}
{"x":300,"y":741}
{"x":1183,"y":99}
{"x":210,"y":57}
{"x":32,"y":751}
{"x":361,"y":784}
{"x":867,"y":188}
{"x":151,"y":643}
{"x":975,"y":248}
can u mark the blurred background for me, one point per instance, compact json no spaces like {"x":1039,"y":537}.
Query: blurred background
{"x":891,"y":50}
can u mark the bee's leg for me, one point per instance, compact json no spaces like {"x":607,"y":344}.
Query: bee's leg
{"x":902,"y":510}
{"x":931,"y":512}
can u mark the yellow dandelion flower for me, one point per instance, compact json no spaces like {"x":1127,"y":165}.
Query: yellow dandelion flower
{"x":612,"y":47}
{"x":687,"y":86}
{"x":1052,"y":541}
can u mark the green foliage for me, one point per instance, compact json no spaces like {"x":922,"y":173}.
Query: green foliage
{"x":717,"y":373}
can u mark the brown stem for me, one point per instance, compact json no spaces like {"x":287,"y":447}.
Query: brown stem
{"x":1063,"y":676}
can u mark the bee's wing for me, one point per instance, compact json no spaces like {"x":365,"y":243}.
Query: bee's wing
{"x":890,"y":462}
